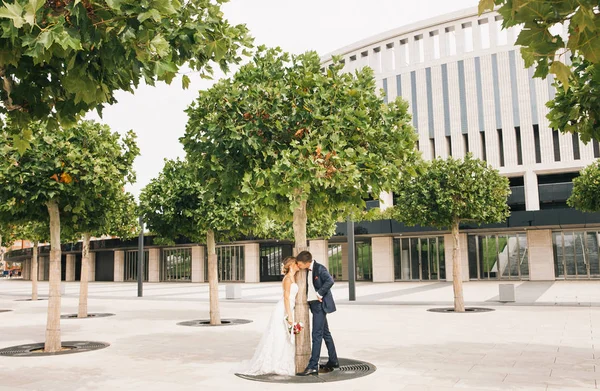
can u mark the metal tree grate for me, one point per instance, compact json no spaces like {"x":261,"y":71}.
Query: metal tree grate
{"x":33,"y":350}
{"x":206,"y":322}
{"x":5,"y":310}
{"x":468,"y":310}
{"x":349,"y":369}
{"x":90,"y":315}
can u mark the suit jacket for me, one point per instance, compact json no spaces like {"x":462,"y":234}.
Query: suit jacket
{"x":322,"y":281}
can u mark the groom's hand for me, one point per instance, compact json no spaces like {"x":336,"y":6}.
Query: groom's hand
{"x":319,"y":298}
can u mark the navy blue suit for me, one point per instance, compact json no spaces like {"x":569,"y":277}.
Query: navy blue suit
{"x":322,"y":281}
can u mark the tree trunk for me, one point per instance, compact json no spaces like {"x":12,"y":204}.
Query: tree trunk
{"x":85,"y":273}
{"x":459,"y":301}
{"x":303,"y":345}
{"x":213,"y":279}
{"x":34,"y":272}
{"x":53,"y":343}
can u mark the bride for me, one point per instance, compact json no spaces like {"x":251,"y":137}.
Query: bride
{"x":276,"y":350}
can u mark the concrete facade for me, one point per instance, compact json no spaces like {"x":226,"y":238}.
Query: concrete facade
{"x":541,"y":255}
{"x":198,"y":264}
{"x":383,"y":259}
{"x":154,"y":265}
{"x":252,"y":262}
{"x":119,"y":266}
{"x":320,"y":251}
{"x":70,"y":271}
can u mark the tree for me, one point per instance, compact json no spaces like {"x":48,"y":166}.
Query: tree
{"x":110,"y":211}
{"x":7,"y":237}
{"x":304,"y":144}
{"x":586,"y":189}
{"x":449,"y":192}
{"x":178,"y":203}
{"x":36,"y":232}
{"x":62,"y":58}
{"x":53,"y":178}
{"x":575,"y":107}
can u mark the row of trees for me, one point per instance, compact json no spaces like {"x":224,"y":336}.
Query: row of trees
{"x":68,"y":184}
{"x":63,"y":178}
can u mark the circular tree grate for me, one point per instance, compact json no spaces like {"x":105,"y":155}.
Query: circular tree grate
{"x":467,"y":310}
{"x":91,"y":315}
{"x":206,"y":322}
{"x":5,"y":310}
{"x":349,"y":369}
{"x":31,"y":300}
{"x":36,"y":349}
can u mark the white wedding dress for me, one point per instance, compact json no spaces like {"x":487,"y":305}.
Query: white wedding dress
{"x":276,"y":351}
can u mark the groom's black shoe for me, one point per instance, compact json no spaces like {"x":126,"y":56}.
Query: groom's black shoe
{"x":308,"y":372}
{"x":330,"y":365}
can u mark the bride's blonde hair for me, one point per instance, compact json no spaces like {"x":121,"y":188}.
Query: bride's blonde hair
{"x":287,"y":263}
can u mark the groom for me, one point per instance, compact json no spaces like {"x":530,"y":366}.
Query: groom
{"x":320,"y":300}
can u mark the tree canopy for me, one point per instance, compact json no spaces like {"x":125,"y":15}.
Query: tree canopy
{"x":61,"y":58}
{"x":586,"y":189}
{"x":575,"y":107}
{"x":289,"y":132}
{"x":451,"y":191}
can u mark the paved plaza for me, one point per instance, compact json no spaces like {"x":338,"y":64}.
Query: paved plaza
{"x":548,"y":340}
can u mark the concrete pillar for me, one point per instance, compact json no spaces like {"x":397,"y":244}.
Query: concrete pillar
{"x":386,"y":200}
{"x":532,"y":195}
{"x":119,"y":266}
{"x":345,"y":261}
{"x":383,"y":259}
{"x":154,"y":265}
{"x":70,"y":273}
{"x":252,"y":262}
{"x":463,"y":254}
{"x":198,"y":264}
{"x":320,"y":251}
{"x":92,"y":275}
{"x":41,"y":266}
{"x":25,"y":267}
{"x":540,"y":255}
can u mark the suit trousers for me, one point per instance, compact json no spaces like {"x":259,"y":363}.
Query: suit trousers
{"x":320,"y":332}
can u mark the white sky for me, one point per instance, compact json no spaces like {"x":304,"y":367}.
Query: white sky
{"x":157,"y":115}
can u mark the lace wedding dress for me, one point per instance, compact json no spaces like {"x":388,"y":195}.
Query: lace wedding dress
{"x":276,"y":351}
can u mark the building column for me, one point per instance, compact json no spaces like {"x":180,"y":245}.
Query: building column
{"x":383,"y":259}
{"x":25,"y":268}
{"x":198,"y":264}
{"x":251,"y":262}
{"x":532,"y":195}
{"x":320,"y":251}
{"x":345,"y":261}
{"x":70,"y":273}
{"x":541,"y":255}
{"x":463,"y":254}
{"x":41,"y":266}
{"x":386,"y":200}
{"x":154,"y":265}
{"x":92,"y":274}
{"x":119,"y":266}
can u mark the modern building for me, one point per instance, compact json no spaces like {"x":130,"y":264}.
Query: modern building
{"x":468,"y":91}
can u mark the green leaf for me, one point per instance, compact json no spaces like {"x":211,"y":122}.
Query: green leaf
{"x":485,"y":5}
{"x":13,"y":11}
{"x":153,"y":13}
{"x":562,"y":73}
{"x":185,"y":82}
{"x":160,"y":45}
{"x":114,"y":4}
{"x":21,"y":144}
{"x":31,"y":9}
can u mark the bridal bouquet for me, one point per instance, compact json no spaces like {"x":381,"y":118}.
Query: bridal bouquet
{"x":294,"y":328}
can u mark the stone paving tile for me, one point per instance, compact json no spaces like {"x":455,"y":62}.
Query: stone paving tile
{"x":484,"y":384}
{"x":554,"y":381}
